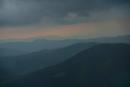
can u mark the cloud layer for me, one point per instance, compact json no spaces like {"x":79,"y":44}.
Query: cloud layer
{"x":58,"y":12}
{"x":23,"y":19}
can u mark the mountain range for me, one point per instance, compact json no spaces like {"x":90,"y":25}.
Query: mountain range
{"x":23,"y":64}
{"x":21,"y":47}
{"x":102,"y":65}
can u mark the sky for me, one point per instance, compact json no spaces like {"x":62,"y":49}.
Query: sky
{"x":63,"y":19}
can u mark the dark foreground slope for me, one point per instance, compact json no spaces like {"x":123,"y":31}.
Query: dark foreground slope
{"x":105,"y":65}
{"x":15,"y":66}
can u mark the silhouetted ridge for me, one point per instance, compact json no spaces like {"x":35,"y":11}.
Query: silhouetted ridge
{"x":104,"y":65}
{"x":27,"y":63}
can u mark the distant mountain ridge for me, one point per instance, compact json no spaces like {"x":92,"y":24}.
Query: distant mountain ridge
{"x":29,"y":46}
{"x":36,"y":45}
{"x":116,"y":39}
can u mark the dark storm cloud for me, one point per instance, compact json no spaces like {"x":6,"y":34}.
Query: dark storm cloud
{"x":28,"y":12}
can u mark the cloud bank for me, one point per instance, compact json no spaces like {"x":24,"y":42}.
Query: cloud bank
{"x":59,"y":12}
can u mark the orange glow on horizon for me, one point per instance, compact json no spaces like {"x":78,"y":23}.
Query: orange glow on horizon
{"x":91,"y":29}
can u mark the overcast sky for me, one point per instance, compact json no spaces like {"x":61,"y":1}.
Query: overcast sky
{"x":19,"y":17}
